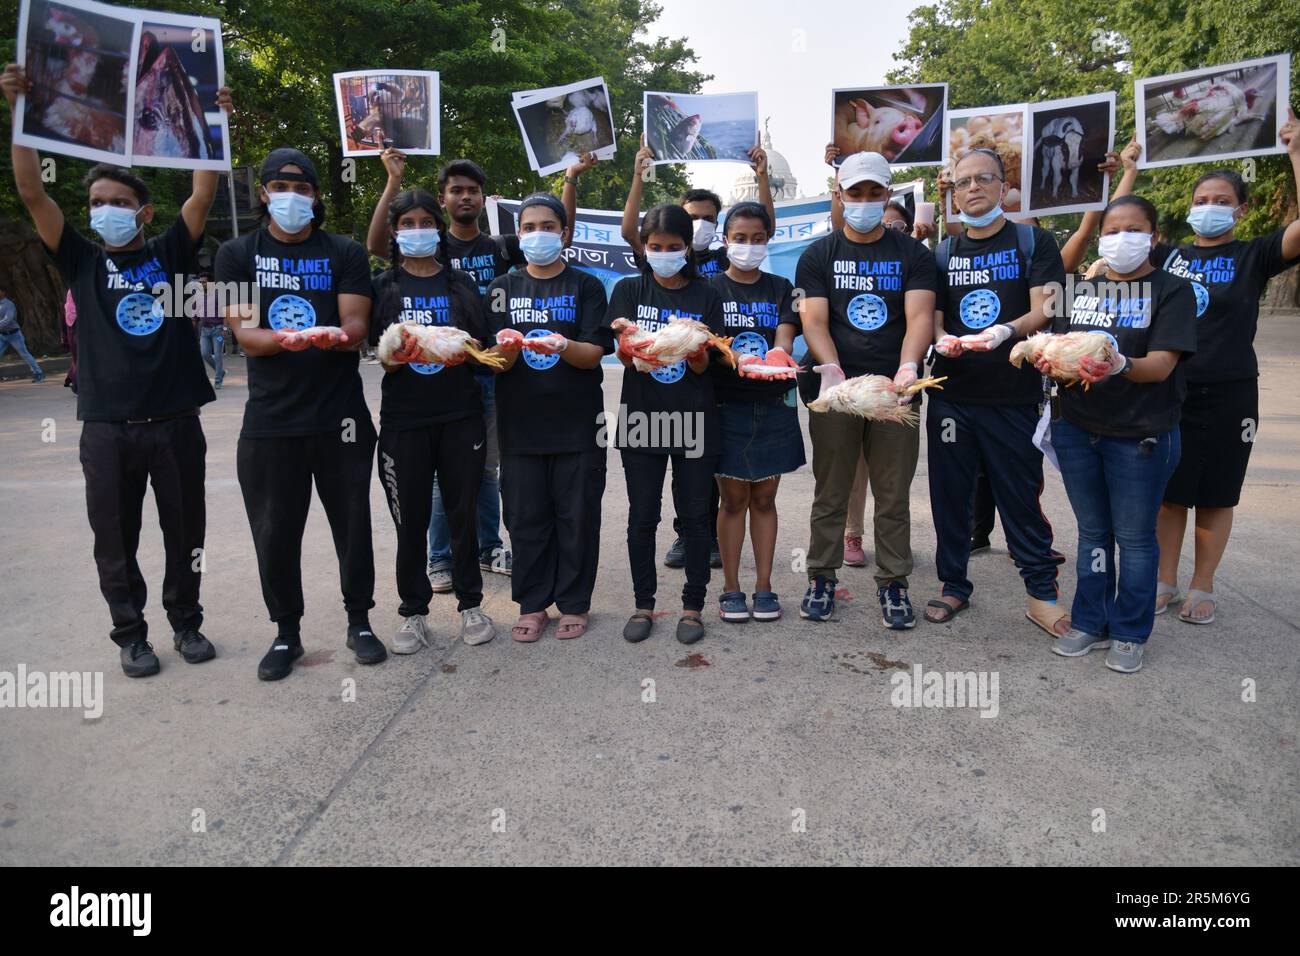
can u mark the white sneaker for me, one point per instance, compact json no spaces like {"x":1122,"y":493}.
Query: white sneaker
{"x":412,"y":635}
{"x":476,"y":627}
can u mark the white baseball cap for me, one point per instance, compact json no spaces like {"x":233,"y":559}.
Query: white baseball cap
{"x":864,"y":166}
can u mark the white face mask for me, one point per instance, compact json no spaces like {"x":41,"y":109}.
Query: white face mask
{"x":1125,"y":251}
{"x":746,"y":257}
{"x":704,"y":231}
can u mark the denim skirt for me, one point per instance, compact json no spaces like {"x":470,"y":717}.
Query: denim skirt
{"x":760,"y":440}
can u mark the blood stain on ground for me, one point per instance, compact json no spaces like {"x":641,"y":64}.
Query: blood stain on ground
{"x":692,"y":661}
{"x":315,"y":657}
{"x":449,"y":668}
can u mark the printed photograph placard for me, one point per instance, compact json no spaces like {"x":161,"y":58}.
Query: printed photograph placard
{"x":999,"y":128}
{"x":905,"y":124}
{"x":700,"y":128}
{"x":561,"y":123}
{"x":382,"y":108}
{"x":1070,"y":138}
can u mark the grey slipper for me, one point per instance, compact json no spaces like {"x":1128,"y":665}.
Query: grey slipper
{"x":689,"y":630}
{"x":638,"y":627}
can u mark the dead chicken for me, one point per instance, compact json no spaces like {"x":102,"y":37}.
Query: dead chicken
{"x":874,"y":397}
{"x":437,"y":344}
{"x":1063,"y":352}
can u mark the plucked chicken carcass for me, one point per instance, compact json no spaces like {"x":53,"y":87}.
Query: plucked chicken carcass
{"x":1063,"y":352}
{"x":874,"y":397}
{"x":672,"y":343}
{"x":438,"y":344}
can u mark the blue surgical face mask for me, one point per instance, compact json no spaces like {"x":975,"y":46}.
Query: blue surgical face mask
{"x":1210,"y":220}
{"x":418,"y":243}
{"x":981,"y":221}
{"x":667,"y":264}
{"x":117,"y":227}
{"x":863,"y":216}
{"x":541,"y":248}
{"x":291,"y":212}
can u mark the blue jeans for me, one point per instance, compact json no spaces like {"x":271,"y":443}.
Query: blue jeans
{"x":1115,"y":486}
{"x":19,"y":344}
{"x":212,"y":340}
{"x":489,"y":494}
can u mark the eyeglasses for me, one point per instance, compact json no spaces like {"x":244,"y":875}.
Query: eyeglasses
{"x":983,"y":179}
{"x":898,"y":225}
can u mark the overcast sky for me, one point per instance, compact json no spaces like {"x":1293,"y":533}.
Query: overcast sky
{"x":751,"y":46}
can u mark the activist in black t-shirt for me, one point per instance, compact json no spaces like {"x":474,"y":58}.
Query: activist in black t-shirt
{"x":138,"y":357}
{"x":1228,"y":281}
{"x":485,"y":258}
{"x":710,"y":262}
{"x":987,"y":282}
{"x":298,"y":286}
{"x":546,"y":406}
{"x":419,"y":394}
{"x":865,"y":285}
{"x":675,"y":388}
{"x":751,"y":313}
{"x":1139,"y":323}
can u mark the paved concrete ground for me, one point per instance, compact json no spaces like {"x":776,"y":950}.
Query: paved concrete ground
{"x":555,"y":741}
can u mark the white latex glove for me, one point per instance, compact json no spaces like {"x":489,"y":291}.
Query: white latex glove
{"x":551,"y":344}
{"x":832,"y":375}
{"x":949,"y":346}
{"x":904,"y":378}
{"x":987,"y":340}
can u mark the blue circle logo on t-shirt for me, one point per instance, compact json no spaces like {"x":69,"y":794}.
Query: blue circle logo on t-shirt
{"x":867,"y":312}
{"x":536,"y":359}
{"x":425,"y":368}
{"x":291,"y":313}
{"x":670,"y":373}
{"x":979,"y":309}
{"x":1202,"y":298}
{"x":140,"y":314}
{"x":1113,"y":341}
{"x":750,"y":343}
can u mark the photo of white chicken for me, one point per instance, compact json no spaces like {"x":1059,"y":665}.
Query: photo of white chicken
{"x":436,"y":345}
{"x":874,"y":397}
{"x":671,"y":343}
{"x":1063,"y":353}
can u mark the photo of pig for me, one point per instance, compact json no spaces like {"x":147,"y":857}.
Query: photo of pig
{"x":180,"y":68}
{"x":560,"y":124}
{"x":905,"y":124}
{"x":688,"y":127}
{"x":382,"y":108}
{"x":1070,"y":138}
{"x":78,"y":59}
{"x":1220,"y":112}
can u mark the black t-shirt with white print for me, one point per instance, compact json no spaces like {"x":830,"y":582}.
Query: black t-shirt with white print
{"x":865,"y":285}
{"x":986,"y":283}
{"x":1158,"y":315}
{"x":138,"y":356}
{"x":1228,"y":281}
{"x":298,"y":286}
{"x":484,"y":257}
{"x":545,"y":406}
{"x":676,"y":409}
{"x":711,"y":262}
{"x":421,"y":394}
{"x":750,"y":314}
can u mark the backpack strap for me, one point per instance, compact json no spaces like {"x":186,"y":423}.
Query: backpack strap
{"x":942,"y":252}
{"x":1025,"y":240}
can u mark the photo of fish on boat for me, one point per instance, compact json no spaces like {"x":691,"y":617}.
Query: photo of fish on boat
{"x":560,"y":124}
{"x":690,"y":128}
{"x":77,"y":55}
{"x":180,"y":68}
{"x":1220,"y":112}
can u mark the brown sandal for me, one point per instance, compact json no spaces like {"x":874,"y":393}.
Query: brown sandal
{"x":571,"y":626}
{"x":529,"y":627}
{"x":1048,"y":615}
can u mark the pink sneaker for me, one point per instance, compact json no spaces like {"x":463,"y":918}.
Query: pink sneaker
{"x":854,"y":556}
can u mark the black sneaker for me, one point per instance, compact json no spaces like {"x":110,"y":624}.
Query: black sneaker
{"x":818,"y":602}
{"x":676,"y":556}
{"x":895,"y":609}
{"x":139,"y":660}
{"x":194,"y":647}
{"x":368,"y":648}
{"x":496,"y":560}
{"x":715,"y":555}
{"x":278,"y":661}
{"x":980,"y":544}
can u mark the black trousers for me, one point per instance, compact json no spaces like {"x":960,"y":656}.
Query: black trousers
{"x":118,"y":460}
{"x":276,"y":475}
{"x":552,"y":509}
{"x":408,"y":460}
{"x":715,"y":498}
{"x":983,"y":508}
{"x":692,"y":484}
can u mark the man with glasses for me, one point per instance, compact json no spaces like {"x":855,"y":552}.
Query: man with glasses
{"x":993,"y":281}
